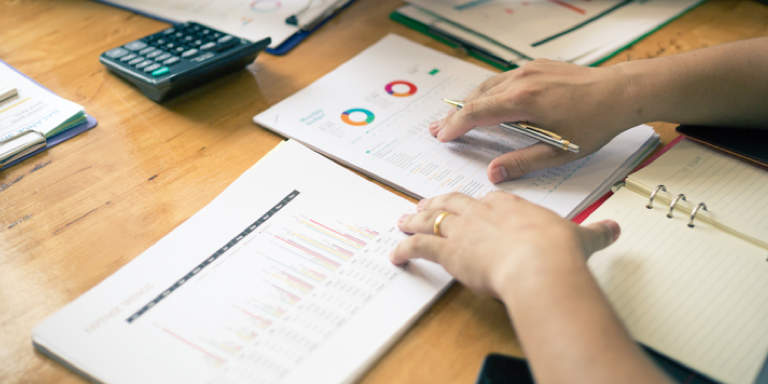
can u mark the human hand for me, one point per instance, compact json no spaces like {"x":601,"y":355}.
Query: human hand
{"x":488,"y":243}
{"x":588,"y":106}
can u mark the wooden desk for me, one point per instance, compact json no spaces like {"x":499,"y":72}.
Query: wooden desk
{"x":75,"y":214}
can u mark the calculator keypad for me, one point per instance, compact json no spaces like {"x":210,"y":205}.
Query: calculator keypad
{"x":157,"y":54}
{"x":184,"y":56}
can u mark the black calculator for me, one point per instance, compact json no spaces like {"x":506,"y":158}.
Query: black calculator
{"x":178,"y":58}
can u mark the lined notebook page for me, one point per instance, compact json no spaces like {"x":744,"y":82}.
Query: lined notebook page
{"x":735,"y":192}
{"x":699,"y":295}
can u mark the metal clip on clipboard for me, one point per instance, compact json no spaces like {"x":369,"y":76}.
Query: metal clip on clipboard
{"x":20,"y":145}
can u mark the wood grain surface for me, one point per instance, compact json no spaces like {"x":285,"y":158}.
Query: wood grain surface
{"x":76,"y":213}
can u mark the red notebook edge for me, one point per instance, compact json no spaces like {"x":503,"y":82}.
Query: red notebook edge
{"x":583,"y":215}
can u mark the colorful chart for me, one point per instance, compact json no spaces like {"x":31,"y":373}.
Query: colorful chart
{"x":347,"y":118}
{"x":390,"y":88}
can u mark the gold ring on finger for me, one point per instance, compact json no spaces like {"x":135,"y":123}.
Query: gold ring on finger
{"x":439,"y":220}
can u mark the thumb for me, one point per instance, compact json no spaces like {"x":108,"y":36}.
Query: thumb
{"x":596,"y":236}
{"x":512,"y":165}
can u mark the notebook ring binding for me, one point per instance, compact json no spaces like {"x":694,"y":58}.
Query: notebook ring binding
{"x":695,"y":211}
{"x":674,"y":203}
{"x":653,"y":195}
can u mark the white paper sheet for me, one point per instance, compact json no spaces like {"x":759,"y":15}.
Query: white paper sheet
{"x":33,"y":108}
{"x":257,"y":287}
{"x":250,"y":19}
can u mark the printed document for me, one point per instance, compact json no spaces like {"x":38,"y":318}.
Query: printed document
{"x":283,"y":278}
{"x":373,"y":111}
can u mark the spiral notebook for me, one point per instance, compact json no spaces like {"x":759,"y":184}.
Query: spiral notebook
{"x":689,"y":275}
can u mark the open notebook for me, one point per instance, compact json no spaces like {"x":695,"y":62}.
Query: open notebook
{"x":693,"y":286}
{"x":372,"y":114}
{"x":283,"y":278}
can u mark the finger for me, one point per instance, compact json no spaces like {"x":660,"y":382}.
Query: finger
{"x":424,"y":222}
{"x":480,"y":112}
{"x":419,"y":246}
{"x":517,"y":163}
{"x":454,"y":202}
{"x":599,"y":235}
{"x":434,"y":127}
{"x":486,"y":85}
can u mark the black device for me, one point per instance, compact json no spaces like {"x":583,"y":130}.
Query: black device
{"x":178,"y":58}
{"x":747,"y":143}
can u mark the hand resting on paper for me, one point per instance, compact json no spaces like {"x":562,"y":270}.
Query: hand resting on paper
{"x":564,"y":98}
{"x":486,"y":242}
{"x":722,"y":86}
{"x":535,"y":262}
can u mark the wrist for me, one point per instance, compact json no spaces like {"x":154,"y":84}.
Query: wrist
{"x":526,"y":278}
{"x":638,"y":95}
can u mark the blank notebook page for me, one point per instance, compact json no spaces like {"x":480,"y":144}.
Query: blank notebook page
{"x":735,"y":192}
{"x":697,"y":294}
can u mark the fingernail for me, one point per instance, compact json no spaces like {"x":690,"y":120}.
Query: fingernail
{"x":499,"y":174}
{"x":614,"y":228}
{"x":434,"y":127}
{"x":403,"y":218}
{"x":421,"y":205}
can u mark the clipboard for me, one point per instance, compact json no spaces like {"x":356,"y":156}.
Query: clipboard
{"x":29,"y":143}
{"x":11,"y":153}
{"x":284,"y":47}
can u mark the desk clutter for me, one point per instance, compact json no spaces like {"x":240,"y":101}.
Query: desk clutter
{"x":33,"y":119}
{"x":285,"y":22}
{"x":507,"y":34}
{"x":289,"y":280}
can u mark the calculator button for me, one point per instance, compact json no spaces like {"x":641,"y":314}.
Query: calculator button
{"x":154,"y":54}
{"x":151,"y":68}
{"x":208,"y":45}
{"x":169,"y":31}
{"x":146,"y":50}
{"x":136,"y":61}
{"x":116,"y":53}
{"x":225,"y":39}
{"x":144,"y":64}
{"x":189,"y":53}
{"x":173,"y":60}
{"x":135,"y":46}
{"x":179,"y":50}
{"x":163,"y":57}
{"x":160,"y":72}
{"x":128,"y":57}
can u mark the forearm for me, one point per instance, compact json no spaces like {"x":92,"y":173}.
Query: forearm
{"x":568,"y":330}
{"x":722,"y":85}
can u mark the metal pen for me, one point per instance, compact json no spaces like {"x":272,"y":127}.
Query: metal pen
{"x":531,"y":131}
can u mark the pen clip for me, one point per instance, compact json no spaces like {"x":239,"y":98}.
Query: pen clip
{"x":540,"y":130}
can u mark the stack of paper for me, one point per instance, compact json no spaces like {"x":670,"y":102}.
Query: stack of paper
{"x":32,"y":118}
{"x":372,"y":113}
{"x":510,"y":32}
{"x":278,"y":280}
